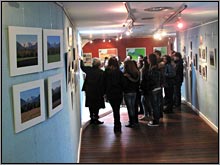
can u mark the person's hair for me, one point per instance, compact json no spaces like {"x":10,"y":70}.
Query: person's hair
{"x":130,"y":57}
{"x":113,"y":63}
{"x":157,"y":52}
{"x":131,"y":68}
{"x":140,"y":56}
{"x":168,"y":58}
{"x":146,"y":65}
{"x":153,"y":59}
{"x":96,"y":63}
{"x":178,"y":54}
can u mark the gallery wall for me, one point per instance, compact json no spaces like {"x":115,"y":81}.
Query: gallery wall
{"x":129,"y":42}
{"x":56,"y":139}
{"x":200,"y":87}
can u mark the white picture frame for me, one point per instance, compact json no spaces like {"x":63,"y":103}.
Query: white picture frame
{"x":70,"y":36}
{"x":55,"y":94}
{"x":29,"y":105}
{"x":53,"y":48}
{"x":25,"y":50}
{"x":212,"y":58}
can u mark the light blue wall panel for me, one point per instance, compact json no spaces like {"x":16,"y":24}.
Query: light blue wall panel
{"x":56,"y":139}
{"x":204,"y":92}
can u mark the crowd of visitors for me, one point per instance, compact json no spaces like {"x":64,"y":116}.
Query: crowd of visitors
{"x":140,"y":84}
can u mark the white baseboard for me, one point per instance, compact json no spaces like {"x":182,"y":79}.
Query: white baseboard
{"x":213,"y":126}
{"x":84,"y":125}
{"x":79,"y":146}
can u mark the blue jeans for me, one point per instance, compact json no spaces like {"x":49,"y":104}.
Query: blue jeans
{"x":130,"y":103}
{"x":155,"y":102}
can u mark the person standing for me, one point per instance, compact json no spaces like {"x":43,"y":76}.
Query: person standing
{"x":144,"y":86}
{"x":131,"y":84}
{"x":113,"y":83}
{"x":154,"y":80}
{"x":94,"y":90}
{"x":178,"y":79}
{"x":169,"y":80}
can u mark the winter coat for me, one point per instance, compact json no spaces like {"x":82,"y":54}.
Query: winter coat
{"x":113,"y":80}
{"x":93,"y":86}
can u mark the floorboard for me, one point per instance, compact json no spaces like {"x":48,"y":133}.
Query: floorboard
{"x":182,"y":137}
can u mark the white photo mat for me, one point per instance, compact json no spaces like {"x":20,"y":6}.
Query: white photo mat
{"x":55,"y":94}
{"x":25,"y":50}
{"x":29,"y":105}
{"x":55,"y":39}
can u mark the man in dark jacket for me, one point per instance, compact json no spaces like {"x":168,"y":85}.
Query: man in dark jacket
{"x":93,"y":87}
{"x":178,"y":78}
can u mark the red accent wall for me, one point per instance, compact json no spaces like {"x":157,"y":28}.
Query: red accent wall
{"x":124,"y":43}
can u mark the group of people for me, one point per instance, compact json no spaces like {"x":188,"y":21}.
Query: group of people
{"x":139,"y":84}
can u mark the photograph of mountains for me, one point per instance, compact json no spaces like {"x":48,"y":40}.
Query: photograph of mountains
{"x":53,"y":49}
{"x":27,"y":50}
{"x":56,"y":94}
{"x":30,"y":104}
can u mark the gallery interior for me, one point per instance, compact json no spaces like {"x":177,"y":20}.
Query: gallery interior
{"x":44,"y":118}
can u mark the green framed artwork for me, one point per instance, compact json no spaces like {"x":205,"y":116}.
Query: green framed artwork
{"x":162,"y":49}
{"x":135,"y":52}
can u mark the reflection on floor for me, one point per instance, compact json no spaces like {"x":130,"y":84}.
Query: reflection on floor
{"x":182,"y":137}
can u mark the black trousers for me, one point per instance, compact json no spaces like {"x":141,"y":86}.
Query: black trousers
{"x":115,"y":104}
{"x":177,"y":95}
{"x":94,"y":113}
{"x":169,"y":96}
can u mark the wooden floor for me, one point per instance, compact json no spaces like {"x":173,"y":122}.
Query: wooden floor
{"x":182,"y":137}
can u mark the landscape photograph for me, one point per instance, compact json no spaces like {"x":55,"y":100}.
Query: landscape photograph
{"x":56,"y":94}
{"x":30,"y":104}
{"x":53,"y":49}
{"x":27,"y":50}
{"x":135,"y":52}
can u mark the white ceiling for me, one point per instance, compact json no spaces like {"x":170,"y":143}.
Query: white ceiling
{"x":97,"y":17}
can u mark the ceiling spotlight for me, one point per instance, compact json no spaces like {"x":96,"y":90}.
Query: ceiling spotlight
{"x":91,"y":42}
{"x":179,"y":24}
{"x":104,"y":40}
{"x":109,"y":40}
{"x":127,"y":33}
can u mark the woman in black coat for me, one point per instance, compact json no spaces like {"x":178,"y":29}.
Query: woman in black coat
{"x":93,"y":87}
{"x":113,"y":80}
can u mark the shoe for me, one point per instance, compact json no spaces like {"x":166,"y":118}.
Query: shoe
{"x":97,"y":122}
{"x":153,"y":124}
{"x":143,"y":118}
{"x":129,"y":125}
{"x":117,"y":129}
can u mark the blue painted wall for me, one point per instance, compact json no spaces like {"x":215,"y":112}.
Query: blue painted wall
{"x":201,"y":93}
{"x":56,"y":139}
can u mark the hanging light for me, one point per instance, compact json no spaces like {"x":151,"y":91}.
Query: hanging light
{"x":180,"y":22}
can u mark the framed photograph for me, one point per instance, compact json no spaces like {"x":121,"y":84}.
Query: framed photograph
{"x":163,"y":50}
{"x":53,"y":48}
{"x":25,"y":50}
{"x":190,"y":45}
{"x":68,"y":68}
{"x":87,"y":59}
{"x":195,"y":61}
{"x":204,"y":72}
{"x":70,"y":36}
{"x":200,"y":69}
{"x":204,"y":56}
{"x":107,"y":53}
{"x":28,"y":99}
{"x":135,"y":52}
{"x":55,"y":94}
{"x":212,"y":57}
{"x":200,"y":53}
